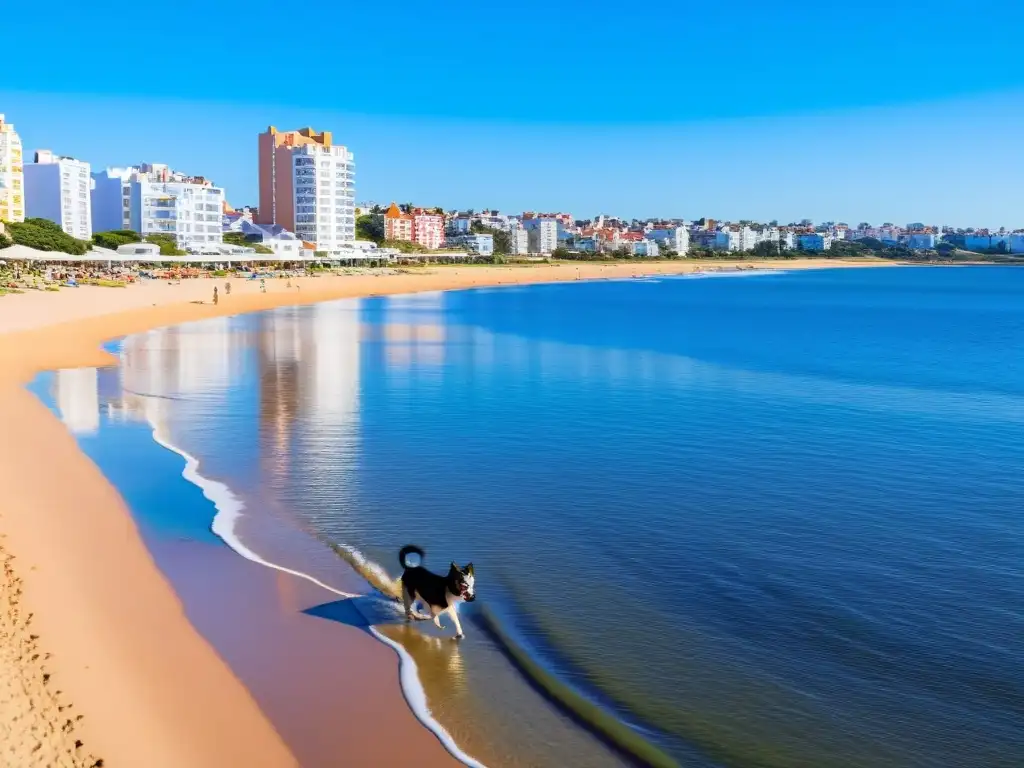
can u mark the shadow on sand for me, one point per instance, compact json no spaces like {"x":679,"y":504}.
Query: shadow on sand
{"x":362,"y":611}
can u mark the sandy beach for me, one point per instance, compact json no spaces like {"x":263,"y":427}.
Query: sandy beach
{"x":99,"y":664}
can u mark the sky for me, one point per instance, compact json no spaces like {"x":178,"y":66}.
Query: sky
{"x":880,"y":111}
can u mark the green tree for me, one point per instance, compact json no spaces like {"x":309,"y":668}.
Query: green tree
{"x":404,"y":246}
{"x":871,"y":243}
{"x":502,"y":243}
{"x":168,"y":244}
{"x":45,"y":235}
{"x":247,"y":241}
{"x":115,"y":238}
{"x":237,"y":238}
{"x":766,"y":249}
{"x":370,"y":227}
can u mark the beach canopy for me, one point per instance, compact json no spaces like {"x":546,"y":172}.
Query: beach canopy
{"x":19,"y":252}
{"x":216,"y":253}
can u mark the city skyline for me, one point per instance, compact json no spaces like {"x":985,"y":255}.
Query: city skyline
{"x":791,"y":182}
{"x":739,"y":110}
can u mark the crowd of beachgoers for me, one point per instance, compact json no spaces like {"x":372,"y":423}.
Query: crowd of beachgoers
{"x":16,"y":277}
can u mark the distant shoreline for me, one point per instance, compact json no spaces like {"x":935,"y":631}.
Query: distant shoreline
{"x":108,"y":634}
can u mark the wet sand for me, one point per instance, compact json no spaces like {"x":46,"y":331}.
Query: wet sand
{"x":108,"y":635}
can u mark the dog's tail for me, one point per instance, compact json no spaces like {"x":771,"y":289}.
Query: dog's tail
{"x":410,"y":549}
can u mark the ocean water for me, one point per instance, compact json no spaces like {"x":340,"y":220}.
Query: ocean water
{"x":761,"y":520}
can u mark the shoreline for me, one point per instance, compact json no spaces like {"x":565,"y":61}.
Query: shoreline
{"x":148,"y":687}
{"x":228,"y":508}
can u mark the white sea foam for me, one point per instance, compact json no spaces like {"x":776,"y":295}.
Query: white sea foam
{"x":229,"y":509}
{"x":727,"y":273}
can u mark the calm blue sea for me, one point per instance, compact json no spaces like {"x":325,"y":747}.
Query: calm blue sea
{"x":768,"y":520}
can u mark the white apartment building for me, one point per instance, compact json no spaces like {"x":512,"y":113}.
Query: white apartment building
{"x":12,"y":178}
{"x":59,"y":189}
{"x":152,"y":199}
{"x":542,"y":234}
{"x":519,"y":241}
{"x":736,"y":239}
{"x":727,"y":240}
{"x":676,"y":238}
{"x":325,"y":198}
{"x":648,"y":248}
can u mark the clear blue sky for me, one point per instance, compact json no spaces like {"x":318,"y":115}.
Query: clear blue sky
{"x":894,"y":110}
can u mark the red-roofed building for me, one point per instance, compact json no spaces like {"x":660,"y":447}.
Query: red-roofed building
{"x":397,"y":225}
{"x":417,"y":226}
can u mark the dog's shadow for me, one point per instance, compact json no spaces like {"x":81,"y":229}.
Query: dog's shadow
{"x":362,"y":611}
{"x":375,"y":610}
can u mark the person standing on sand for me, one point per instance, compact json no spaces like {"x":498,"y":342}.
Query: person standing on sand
{"x":215,"y":295}
{"x":227,"y":288}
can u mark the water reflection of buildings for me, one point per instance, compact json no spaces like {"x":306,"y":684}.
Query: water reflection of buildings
{"x":307,"y":362}
{"x":278,"y":356}
{"x":308,"y":369}
{"x":76,"y":391}
{"x":155,"y":367}
{"x":414,"y":331}
{"x":159,"y":366}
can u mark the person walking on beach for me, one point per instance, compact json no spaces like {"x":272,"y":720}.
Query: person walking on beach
{"x":215,"y":295}
{"x":227,"y":288}
{"x":263,"y":285}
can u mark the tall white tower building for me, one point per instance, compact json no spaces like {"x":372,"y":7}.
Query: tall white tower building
{"x":59,"y":189}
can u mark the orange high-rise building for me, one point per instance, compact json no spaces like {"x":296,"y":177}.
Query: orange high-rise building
{"x":307,"y":185}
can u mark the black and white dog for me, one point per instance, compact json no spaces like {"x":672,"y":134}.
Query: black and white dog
{"x":441,"y":594}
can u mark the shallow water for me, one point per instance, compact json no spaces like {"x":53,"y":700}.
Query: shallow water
{"x":767,"y":521}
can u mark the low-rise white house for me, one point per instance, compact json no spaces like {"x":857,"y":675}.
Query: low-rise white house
{"x":478,"y":244}
{"x":647,"y":248}
{"x":140,"y":251}
{"x":287,"y":246}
